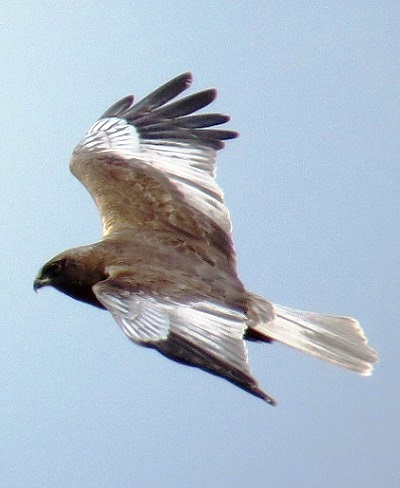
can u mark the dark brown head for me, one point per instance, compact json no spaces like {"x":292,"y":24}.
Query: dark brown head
{"x":72,"y":273}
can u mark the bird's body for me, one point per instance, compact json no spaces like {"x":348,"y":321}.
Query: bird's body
{"x":142,"y":260}
{"x":166,"y":266}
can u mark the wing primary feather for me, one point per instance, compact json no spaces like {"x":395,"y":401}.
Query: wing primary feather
{"x":119,"y":107}
{"x":187,"y":105}
{"x":184,"y":106}
{"x":212,"y":138}
{"x":160,"y":96}
{"x":190,"y":122}
{"x":156,"y":119}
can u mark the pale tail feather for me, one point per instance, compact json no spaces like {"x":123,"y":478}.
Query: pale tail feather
{"x":339,"y":340}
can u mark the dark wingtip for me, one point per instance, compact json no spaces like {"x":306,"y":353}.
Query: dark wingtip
{"x":271,"y":401}
{"x":157,"y":116}
{"x":181,"y":82}
{"x":187,"y":78}
{"x":268,"y":399}
{"x":255,"y":390}
{"x":119,"y":107}
{"x":212,"y":94}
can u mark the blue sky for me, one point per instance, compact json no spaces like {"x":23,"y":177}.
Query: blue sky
{"x":313,"y":189}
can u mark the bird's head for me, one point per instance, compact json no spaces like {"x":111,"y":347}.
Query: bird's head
{"x":61,"y":271}
{"x":53,"y":273}
{"x":72,"y":273}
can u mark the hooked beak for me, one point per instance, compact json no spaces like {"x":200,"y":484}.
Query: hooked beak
{"x":40,"y":283}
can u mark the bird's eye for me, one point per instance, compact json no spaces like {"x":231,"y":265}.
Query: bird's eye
{"x":54,"y":269}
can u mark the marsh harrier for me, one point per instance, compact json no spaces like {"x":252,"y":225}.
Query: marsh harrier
{"x":166,"y":265}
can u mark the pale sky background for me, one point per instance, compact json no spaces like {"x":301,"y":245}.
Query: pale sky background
{"x":313,"y":188}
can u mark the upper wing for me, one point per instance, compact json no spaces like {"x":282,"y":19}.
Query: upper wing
{"x":151,"y":165}
{"x":200,"y":333}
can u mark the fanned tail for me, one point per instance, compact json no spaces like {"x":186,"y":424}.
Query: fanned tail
{"x":339,"y":340}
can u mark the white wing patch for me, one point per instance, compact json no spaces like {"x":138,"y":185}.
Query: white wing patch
{"x":111,"y":135}
{"x":141,"y":317}
{"x":149,"y":319}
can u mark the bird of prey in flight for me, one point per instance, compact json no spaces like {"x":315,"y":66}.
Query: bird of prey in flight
{"x":166,"y":265}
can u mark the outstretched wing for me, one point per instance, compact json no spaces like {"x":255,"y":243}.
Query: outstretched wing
{"x":151,"y":166}
{"x":200,"y":333}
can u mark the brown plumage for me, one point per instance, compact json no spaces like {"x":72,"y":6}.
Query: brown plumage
{"x":166,"y":266}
